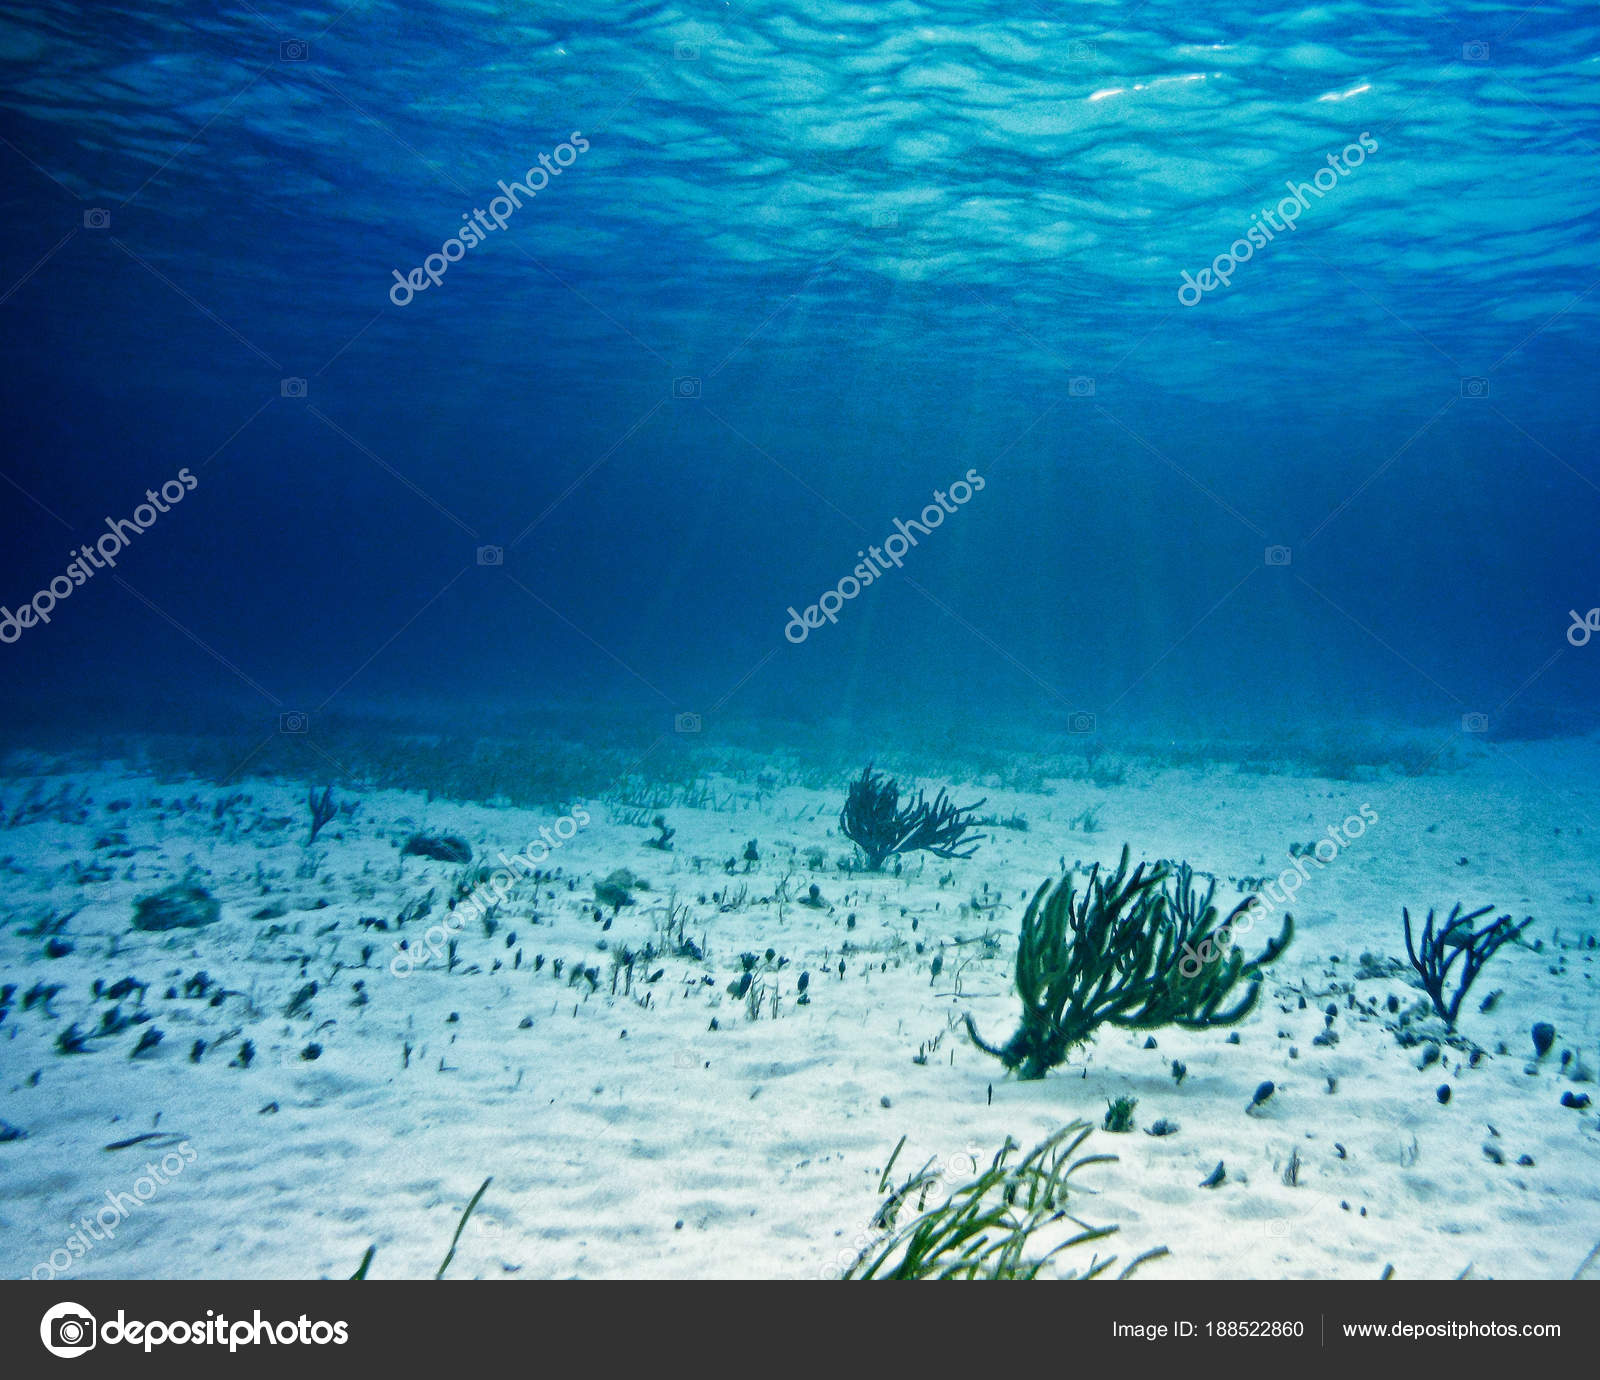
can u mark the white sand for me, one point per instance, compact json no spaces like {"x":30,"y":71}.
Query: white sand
{"x":764,"y":1139}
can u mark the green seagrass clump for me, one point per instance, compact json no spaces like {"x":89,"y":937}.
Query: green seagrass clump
{"x":1008,"y":1222}
{"x":1137,"y":950}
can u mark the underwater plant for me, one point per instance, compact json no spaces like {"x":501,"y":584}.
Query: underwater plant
{"x":988,"y":1227}
{"x":1127,"y":951}
{"x":1119,"y":1114}
{"x":1436,"y":952}
{"x":873,"y":820}
{"x":461,"y":1226}
{"x":322,"y":810}
{"x":663,"y":838}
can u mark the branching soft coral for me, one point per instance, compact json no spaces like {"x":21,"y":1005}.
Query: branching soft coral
{"x":1127,"y":951}
{"x":874,"y":821}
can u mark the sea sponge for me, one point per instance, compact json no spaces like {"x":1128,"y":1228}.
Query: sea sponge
{"x":181,"y":906}
{"x":440,"y":847}
{"x":614,"y":890}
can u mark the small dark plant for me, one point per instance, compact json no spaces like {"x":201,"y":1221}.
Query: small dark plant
{"x":1119,"y":1114}
{"x":73,"y":1041}
{"x":1437,"y":951}
{"x":322,"y":810}
{"x":461,"y":1226}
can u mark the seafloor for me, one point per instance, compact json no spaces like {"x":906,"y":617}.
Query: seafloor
{"x":643,"y":1120}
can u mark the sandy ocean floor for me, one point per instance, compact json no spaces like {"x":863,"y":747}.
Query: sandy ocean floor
{"x":628,"y":1137}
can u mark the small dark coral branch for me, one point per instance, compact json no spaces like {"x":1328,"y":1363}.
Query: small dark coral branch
{"x":1437,"y":952}
{"x":322,"y":811}
{"x":874,"y":821}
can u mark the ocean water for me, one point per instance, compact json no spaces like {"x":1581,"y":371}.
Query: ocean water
{"x":550,"y":403}
{"x":814,"y":264}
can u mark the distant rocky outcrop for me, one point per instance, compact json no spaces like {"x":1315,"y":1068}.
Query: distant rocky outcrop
{"x":181,"y":906}
{"x":614,"y":890}
{"x":440,"y":847}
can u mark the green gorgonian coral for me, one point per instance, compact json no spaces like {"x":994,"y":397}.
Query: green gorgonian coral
{"x":1136,"y":950}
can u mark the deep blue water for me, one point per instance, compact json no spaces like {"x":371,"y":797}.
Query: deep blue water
{"x":815,"y":263}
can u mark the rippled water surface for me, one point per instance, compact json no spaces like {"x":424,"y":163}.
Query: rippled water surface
{"x":1187,"y":290}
